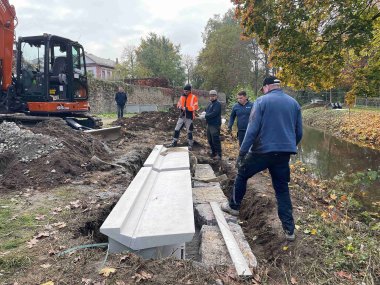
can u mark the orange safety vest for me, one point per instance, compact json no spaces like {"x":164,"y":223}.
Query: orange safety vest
{"x":190,"y":102}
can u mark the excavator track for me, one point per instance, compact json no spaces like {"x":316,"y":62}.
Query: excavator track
{"x":105,"y":133}
{"x":97,"y":122}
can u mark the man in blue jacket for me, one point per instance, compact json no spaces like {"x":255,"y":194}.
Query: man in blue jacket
{"x":274,"y":130}
{"x":241,"y":111}
{"x":214,"y":121}
{"x":121,"y":99}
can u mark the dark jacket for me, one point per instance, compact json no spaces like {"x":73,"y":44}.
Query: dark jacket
{"x":121,"y":98}
{"x":275,"y":125}
{"x":214,"y":113}
{"x":242,"y":113}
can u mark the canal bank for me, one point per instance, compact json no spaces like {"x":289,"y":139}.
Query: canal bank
{"x":355,"y":169}
{"x":359,"y":126}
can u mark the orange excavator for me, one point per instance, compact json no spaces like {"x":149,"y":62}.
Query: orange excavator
{"x":49,"y":78}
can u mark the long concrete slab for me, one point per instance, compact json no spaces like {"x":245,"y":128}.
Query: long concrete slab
{"x":157,"y":208}
{"x":237,"y":257}
{"x":166,"y":159}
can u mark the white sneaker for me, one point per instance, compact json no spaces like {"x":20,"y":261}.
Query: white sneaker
{"x":226,"y":208}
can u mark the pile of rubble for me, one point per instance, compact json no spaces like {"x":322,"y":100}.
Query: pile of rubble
{"x":24,"y":144}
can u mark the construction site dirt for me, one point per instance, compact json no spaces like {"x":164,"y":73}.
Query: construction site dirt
{"x":58,"y":185}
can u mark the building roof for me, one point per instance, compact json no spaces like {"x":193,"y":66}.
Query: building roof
{"x":101,"y":61}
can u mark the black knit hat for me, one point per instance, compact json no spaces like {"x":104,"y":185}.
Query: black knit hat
{"x":271,"y":80}
{"x":187,"y":87}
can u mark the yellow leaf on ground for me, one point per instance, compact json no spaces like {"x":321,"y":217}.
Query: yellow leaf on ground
{"x":47,"y":265}
{"x":48,"y":283}
{"x":343,"y":198}
{"x":313,"y":232}
{"x":59,"y":225}
{"x":344,"y":274}
{"x":142,"y":275}
{"x":107,"y":271}
{"x":333,"y":196}
{"x":297,"y":227}
{"x":285,"y":248}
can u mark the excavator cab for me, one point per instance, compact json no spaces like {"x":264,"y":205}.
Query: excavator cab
{"x":51,"y":77}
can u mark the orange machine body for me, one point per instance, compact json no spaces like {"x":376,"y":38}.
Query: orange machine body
{"x":7,"y":28}
{"x":58,"y":107}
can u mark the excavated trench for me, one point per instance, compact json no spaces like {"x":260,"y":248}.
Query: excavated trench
{"x":131,"y":163}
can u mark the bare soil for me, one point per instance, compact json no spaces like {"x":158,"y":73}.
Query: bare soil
{"x":67,"y":206}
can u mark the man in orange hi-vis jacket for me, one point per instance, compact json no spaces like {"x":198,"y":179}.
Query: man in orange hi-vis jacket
{"x":187,"y":104}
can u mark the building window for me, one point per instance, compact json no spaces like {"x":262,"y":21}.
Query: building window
{"x":103,"y":74}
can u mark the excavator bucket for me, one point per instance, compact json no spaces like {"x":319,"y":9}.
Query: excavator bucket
{"x":108,"y":134}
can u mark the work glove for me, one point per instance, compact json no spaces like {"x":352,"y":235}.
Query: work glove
{"x":240,"y":161}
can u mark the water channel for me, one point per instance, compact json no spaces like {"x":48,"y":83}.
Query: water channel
{"x":329,"y":157}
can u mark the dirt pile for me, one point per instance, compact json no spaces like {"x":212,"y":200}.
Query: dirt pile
{"x":45,"y":155}
{"x":24,"y":144}
{"x":163,"y":121}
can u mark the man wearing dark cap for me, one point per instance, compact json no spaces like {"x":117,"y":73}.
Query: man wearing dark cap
{"x":187,"y":104}
{"x":241,"y":110}
{"x":274,"y":130}
{"x":214,"y":120}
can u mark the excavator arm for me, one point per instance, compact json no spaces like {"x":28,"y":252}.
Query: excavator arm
{"x":8,"y":22}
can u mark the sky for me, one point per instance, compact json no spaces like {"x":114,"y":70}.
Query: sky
{"x":105,"y":27}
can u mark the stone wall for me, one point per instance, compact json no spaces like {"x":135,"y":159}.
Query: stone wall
{"x":102,"y":95}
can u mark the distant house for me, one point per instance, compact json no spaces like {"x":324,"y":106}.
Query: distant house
{"x":100,"y":68}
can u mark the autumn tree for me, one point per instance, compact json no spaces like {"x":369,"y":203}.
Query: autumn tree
{"x":226,"y":59}
{"x":307,"y":39}
{"x":127,"y":66}
{"x":350,"y":100}
{"x":362,"y":71}
{"x":188,"y":63}
{"x":157,"y":56}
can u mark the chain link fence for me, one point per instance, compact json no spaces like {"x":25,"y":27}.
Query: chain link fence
{"x":307,"y":97}
{"x":368,"y":102}
{"x":333,"y":96}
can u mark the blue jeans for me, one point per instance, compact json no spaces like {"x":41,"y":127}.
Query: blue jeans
{"x":120,"y":111}
{"x":241,"y":135}
{"x":278,"y":165}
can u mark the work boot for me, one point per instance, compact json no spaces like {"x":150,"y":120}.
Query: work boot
{"x":290,"y":237}
{"x":226,"y":208}
{"x":211,"y":154}
{"x":173,"y":144}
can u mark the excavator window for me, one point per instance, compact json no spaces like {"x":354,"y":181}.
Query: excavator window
{"x":58,"y":69}
{"x":32,"y":66}
{"x":32,"y":56}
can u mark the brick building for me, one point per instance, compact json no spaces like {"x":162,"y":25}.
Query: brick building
{"x":100,"y":68}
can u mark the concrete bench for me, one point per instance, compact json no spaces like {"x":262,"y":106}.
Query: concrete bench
{"x":154,"y":217}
